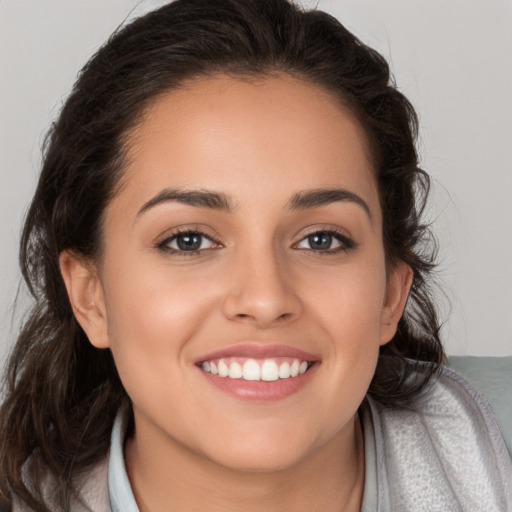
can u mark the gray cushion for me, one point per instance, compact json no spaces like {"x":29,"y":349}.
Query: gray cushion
{"x":493,"y":377}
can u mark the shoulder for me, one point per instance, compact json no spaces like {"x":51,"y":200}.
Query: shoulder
{"x":493,"y":377}
{"x":445,"y":453}
{"x":91,"y":486}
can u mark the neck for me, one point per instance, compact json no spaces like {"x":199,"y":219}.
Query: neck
{"x":169,"y":477}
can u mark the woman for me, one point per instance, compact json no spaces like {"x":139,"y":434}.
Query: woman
{"x":221,"y":247}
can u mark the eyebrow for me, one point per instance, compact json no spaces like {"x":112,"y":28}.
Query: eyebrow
{"x":219,"y":201}
{"x":321,"y":197}
{"x":199,"y":198}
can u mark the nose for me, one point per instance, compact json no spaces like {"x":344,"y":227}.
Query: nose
{"x":262,"y":291}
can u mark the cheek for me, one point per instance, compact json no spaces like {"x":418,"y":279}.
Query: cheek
{"x":154,"y":298}
{"x":152,"y":316}
{"x":349,"y":299}
{"x":347,"y":305}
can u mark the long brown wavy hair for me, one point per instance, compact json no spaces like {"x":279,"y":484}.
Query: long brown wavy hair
{"x":61,"y":394}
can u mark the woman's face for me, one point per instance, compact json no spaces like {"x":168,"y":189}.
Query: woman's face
{"x":245,"y":239}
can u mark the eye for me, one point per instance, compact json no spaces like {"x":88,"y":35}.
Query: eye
{"x":187,"y":241}
{"x":325,"y":241}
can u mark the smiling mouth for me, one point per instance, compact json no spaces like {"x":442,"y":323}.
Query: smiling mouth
{"x":250,"y":369}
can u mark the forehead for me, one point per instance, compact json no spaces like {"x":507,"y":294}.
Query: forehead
{"x":259,"y":136}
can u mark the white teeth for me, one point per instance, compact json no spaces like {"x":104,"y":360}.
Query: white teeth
{"x":284,"y":370}
{"x":253,"y":370}
{"x":235,"y":371}
{"x":269,"y":370}
{"x":294,"y":369}
{"x":223,"y":369}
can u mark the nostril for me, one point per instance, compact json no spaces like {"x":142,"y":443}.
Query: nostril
{"x":261,"y":305}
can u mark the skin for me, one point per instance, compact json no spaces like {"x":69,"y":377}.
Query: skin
{"x":256,"y":278}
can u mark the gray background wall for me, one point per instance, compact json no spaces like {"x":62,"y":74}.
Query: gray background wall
{"x":451,"y":58}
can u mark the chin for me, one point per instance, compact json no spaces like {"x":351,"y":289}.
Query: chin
{"x":257,"y":462}
{"x":260,"y":454}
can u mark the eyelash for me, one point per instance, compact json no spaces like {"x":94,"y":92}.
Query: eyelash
{"x":346,"y":244}
{"x":164,"y":245}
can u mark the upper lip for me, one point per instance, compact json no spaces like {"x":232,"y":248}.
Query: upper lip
{"x":259,"y":351}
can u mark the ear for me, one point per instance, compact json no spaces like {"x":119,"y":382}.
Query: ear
{"x":397,"y":290}
{"x":86,"y":296}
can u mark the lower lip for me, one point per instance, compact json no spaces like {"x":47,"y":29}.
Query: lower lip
{"x":260,"y":390}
